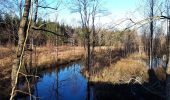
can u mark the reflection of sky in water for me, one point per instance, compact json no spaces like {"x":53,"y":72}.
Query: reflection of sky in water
{"x":71,"y":85}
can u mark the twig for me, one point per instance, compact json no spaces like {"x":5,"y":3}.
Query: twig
{"x":37,"y":28}
{"x":28,"y":75}
{"x":44,"y":7}
{"x":135,"y":80}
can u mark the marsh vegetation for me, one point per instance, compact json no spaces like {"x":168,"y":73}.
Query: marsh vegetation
{"x":93,"y":56}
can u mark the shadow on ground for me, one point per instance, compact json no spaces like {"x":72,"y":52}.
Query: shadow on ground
{"x":154,"y":89}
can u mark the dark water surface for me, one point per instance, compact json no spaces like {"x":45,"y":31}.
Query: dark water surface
{"x":62,"y":83}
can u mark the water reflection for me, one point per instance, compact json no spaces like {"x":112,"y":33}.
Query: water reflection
{"x":64,"y":83}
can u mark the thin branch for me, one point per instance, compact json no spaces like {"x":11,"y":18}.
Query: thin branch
{"x":28,"y":75}
{"x":48,"y":7}
{"x":142,"y":22}
{"x":164,"y":17}
{"x":36,"y":28}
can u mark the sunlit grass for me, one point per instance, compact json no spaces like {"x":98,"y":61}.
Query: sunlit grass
{"x":6,"y":56}
{"x":123,"y":71}
{"x":60,"y":57}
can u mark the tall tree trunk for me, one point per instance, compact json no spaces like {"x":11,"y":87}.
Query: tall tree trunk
{"x":167,"y":63}
{"x":93,"y":32}
{"x":93,"y":39}
{"x":88,"y":60}
{"x":21,"y":35}
{"x":151,"y":34}
{"x":31,"y":40}
{"x":23,"y":27}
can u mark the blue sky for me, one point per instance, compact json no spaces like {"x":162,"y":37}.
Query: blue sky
{"x":121,"y":5}
{"x":118,"y":9}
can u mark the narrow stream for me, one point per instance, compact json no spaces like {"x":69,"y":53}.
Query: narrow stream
{"x":62,"y":83}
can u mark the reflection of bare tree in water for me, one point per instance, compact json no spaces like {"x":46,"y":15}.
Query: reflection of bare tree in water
{"x":75,"y":80}
{"x":55,"y":88}
{"x":72,"y":81}
{"x":60,"y":83}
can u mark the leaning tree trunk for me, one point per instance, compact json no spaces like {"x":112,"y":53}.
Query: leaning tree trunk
{"x":21,"y":38}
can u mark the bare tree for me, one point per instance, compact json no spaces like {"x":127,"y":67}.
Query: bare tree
{"x":83,"y":7}
{"x":21,"y":34}
{"x":151,"y":4}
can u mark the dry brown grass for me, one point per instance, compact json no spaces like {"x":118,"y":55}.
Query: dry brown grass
{"x":127,"y":69}
{"x":6,"y":56}
{"x":168,"y":69}
{"x":64,"y":56}
{"x":123,"y":71}
{"x":160,"y":73}
{"x":43,"y":55}
{"x":137,"y":56}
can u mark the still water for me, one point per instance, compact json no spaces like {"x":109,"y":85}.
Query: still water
{"x":62,"y":83}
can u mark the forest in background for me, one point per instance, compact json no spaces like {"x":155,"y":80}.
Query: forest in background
{"x":22,"y":24}
{"x":126,"y":38}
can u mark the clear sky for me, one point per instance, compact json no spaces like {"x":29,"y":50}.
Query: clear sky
{"x":118,"y":9}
